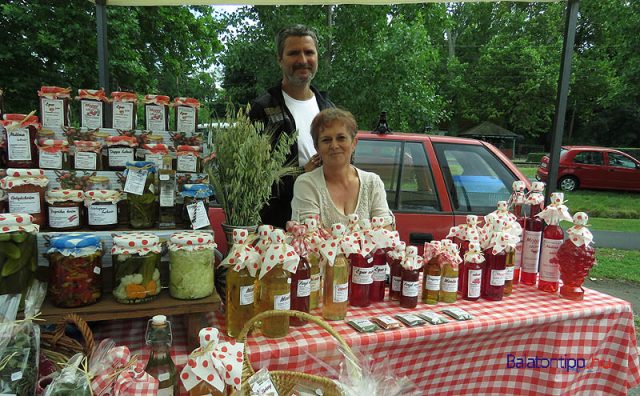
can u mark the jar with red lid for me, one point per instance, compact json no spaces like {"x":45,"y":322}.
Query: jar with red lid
{"x":93,"y":114}
{"x":136,"y":274}
{"x":66,"y":212}
{"x":121,"y":149}
{"x":124,"y":110}
{"x":186,"y":114}
{"x":53,"y":154}
{"x":87,"y":155}
{"x":158,"y":154}
{"x":20,"y":135}
{"x":156,"y":113}
{"x":102,"y":209}
{"x":54,"y":106}
{"x":188,"y":159}
{"x":25,"y":190}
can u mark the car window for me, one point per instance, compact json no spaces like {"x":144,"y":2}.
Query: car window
{"x":621,"y":161}
{"x":382,"y":158}
{"x":476,"y":179}
{"x":417,"y":192}
{"x":589,"y":158}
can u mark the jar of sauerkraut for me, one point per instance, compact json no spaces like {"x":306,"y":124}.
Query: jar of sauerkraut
{"x":191,"y":262}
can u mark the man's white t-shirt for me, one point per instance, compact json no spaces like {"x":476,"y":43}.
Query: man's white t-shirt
{"x":303,"y":112}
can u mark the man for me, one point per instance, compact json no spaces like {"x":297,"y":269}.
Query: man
{"x":289,"y":107}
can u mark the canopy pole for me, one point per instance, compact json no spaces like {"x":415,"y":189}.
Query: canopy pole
{"x":103,"y":48}
{"x":563,"y":93}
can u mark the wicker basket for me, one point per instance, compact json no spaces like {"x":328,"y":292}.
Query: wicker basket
{"x":286,"y":380}
{"x":59,"y":348}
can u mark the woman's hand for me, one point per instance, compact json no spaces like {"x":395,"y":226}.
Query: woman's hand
{"x":313,"y":163}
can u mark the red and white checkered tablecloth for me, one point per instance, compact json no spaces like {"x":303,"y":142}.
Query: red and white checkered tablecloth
{"x":470,"y":357}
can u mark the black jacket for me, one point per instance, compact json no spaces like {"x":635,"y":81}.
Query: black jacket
{"x":270,"y":109}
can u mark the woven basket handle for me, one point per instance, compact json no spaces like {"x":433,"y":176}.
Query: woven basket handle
{"x":81,"y":325}
{"x":242,"y":337}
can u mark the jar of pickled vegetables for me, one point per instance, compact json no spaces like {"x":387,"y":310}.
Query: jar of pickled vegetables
{"x":102,"y":209}
{"x":87,"y":155}
{"x":18,"y":252}
{"x":25,"y":190}
{"x":194,"y":194}
{"x":75,"y":266}
{"x":20,"y":137}
{"x":120,"y":151}
{"x":136,"y":273}
{"x":53,"y":154}
{"x":65,"y":209}
{"x":191,"y":261}
{"x":142,"y":190}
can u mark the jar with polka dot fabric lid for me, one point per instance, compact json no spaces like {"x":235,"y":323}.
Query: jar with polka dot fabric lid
{"x":25,"y":190}
{"x":102,"y":209}
{"x":65,"y":209}
{"x":191,"y":263}
{"x":136,"y":267}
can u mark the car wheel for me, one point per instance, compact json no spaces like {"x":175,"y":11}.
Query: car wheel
{"x":568,"y":183}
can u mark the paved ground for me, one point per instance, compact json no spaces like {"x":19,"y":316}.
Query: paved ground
{"x":618,"y":240}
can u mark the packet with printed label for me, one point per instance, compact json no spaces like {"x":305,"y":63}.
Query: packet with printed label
{"x":457,"y":313}
{"x":410,"y":320}
{"x":433,"y":318}
{"x":386,"y":322}
{"x":363,"y":325}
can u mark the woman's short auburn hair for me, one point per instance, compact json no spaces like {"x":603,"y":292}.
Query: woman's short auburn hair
{"x":328,"y":117}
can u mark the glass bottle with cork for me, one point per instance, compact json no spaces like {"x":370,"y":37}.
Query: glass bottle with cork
{"x":552,"y":239}
{"x":432,"y":272}
{"x":160,"y":365}
{"x":532,"y":235}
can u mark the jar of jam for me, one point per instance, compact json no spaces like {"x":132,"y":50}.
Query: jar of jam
{"x":25,"y":190}
{"x":20,"y":133}
{"x":54,"y":106}
{"x":92,"y":108}
{"x":136,"y":260}
{"x":46,"y":134}
{"x":98,"y":183}
{"x":53,"y":154}
{"x":75,"y":266}
{"x":101,"y":137}
{"x":192,"y":195}
{"x":102,"y":209}
{"x":156,"y":113}
{"x":124,"y":110}
{"x":19,"y":260}
{"x":87,"y":155}
{"x":65,"y":209}
{"x":157,"y":154}
{"x":142,"y":190}
{"x":188,"y":159}
{"x":120,"y":151}
{"x":191,"y":260}
{"x":186,"y":114}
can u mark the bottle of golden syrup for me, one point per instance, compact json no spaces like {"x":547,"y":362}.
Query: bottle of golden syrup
{"x":336,"y":289}
{"x":240,"y":296}
{"x":275,"y":293}
{"x":450,"y":259}
{"x":432,"y":273}
{"x":313,"y":240}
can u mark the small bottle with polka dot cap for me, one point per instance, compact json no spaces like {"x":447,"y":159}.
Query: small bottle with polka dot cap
{"x":160,"y":365}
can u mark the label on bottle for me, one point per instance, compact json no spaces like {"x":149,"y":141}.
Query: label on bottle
{"x":531,"y":251}
{"x":474,"y":282}
{"x":449,"y":285}
{"x":517,"y":258}
{"x":24,"y":203}
{"x":63,"y":217}
{"x":433,"y":282}
{"x":52,"y":112}
{"x":380,"y":273}
{"x":410,"y":288}
{"x":186,"y":119}
{"x":282,"y":302}
{"x":508,"y":274}
{"x":123,"y":115}
{"x":497,"y":277}
{"x":396,"y":283}
{"x":136,"y":180}
{"x":119,"y":156}
{"x":186,"y":163}
{"x":549,"y":272}
{"x":362,"y":276}
{"x":157,"y":159}
{"x":167,"y":193}
{"x":246,"y":295}
{"x":315,"y":282}
{"x":18,"y":145}
{"x":102,"y":214}
{"x":340,"y":292}
{"x":91,"y":112}
{"x":85,"y":160}
{"x":304,"y":288}
{"x":198,"y":215}
{"x":49,"y":160}
{"x":155,"y":117}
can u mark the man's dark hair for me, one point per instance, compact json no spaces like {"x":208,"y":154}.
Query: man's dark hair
{"x":295,"y":30}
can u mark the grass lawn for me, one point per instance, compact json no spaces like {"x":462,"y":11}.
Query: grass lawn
{"x":621,"y":225}
{"x":617,"y":264}
{"x":529,"y":172}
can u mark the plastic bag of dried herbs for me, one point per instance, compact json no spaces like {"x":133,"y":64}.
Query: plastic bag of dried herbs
{"x":73,"y":380}
{"x":20,"y":342}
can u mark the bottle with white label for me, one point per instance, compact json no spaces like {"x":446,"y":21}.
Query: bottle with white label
{"x":336,"y":289}
{"x":532,"y":235}
{"x":239,"y":304}
{"x":160,"y":365}
{"x":473,"y":266}
{"x":360,"y":280}
{"x":552,"y":239}
{"x":410,"y":288}
{"x":300,"y":290}
{"x":493,"y":285}
{"x":275,"y":294}
{"x":431,"y":281}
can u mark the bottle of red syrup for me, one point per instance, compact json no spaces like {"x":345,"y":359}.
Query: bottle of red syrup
{"x":496,"y":259}
{"x":301,"y":279}
{"x":411,"y":278}
{"x":516,"y":205}
{"x":575,"y":258}
{"x":381,"y":241}
{"x":473,"y":263}
{"x":395,"y":258}
{"x":552,"y":238}
{"x":361,"y":264}
{"x":462,"y":235}
{"x":532,"y":235}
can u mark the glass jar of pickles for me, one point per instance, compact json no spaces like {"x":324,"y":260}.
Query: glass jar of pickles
{"x":142,"y":190}
{"x":20,"y":137}
{"x":75,"y":266}
{"x":102,"y":209}
{"x":18,"y":252}
{"x":136,"y":261}
{"x":65,"y":209}
{"x":120,"y":151}
{"x":53,"y":154}
{"x":25,"y":190}
{"x":191,"y":261}
{"x":87,"y":155}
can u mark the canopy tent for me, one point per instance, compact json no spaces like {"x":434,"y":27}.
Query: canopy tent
{"x":495,"y":135}
{"x":565,"y":63}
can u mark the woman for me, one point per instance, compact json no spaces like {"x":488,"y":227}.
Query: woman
{"x":337,"y":188}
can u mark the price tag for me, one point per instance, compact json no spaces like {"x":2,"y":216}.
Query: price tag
{"x":136,"y":180}
{"x":17,"y":376}
{"x":198,"y":215}
{"x":96,"y":270}
{"x":164,"y":377}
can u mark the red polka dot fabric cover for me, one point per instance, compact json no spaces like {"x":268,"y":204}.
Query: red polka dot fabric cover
{"x":470,"y":231}
{"x":279,"y":252}
{"x":13,"y":222}
{"x":339,"y":243}
{"x":140,"y":243}
{"x":579,"y":234}
{"x":61,"y":195}
{"x":242,"y":254}
{"x":23,"y":177}
{"x":191,"y":240}
{"x":217,"y":363}
{"x":117,"y":375}
{"x":263,"y":237}
{"x":412,"y":261}
{"x":92,"y":196}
